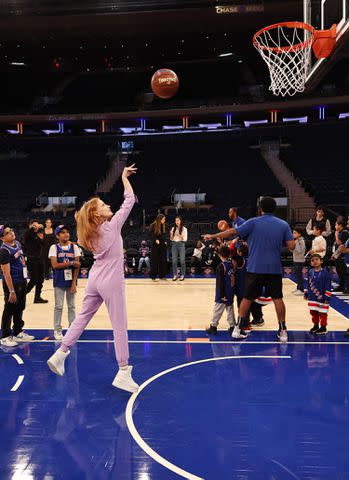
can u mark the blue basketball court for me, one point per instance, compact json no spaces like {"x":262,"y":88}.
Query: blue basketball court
{"x":208,"y":408}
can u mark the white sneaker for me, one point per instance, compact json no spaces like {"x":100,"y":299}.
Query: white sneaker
{"x":58,"y":336}
{"x":298,"y":293}
{"x":182,"y":278}
{"x":8,"y":342}
{"x":283,"y":336}
{"x":155,"y":280}
{"x":24,"y":337}
{"x":125,"y":381}
{"x":239,"y":334}
{"x":174,"y":279}
{"x":56,"y":362}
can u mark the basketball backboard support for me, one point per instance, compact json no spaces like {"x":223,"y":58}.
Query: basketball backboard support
{"x":322,"y":14}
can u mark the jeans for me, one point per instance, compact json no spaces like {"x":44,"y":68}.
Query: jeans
{"x":298,"y":273}
{"x":58,"y":310}
{"x":143,"y":260}
{"x":13,"y":310}
{"x":178,"y":248}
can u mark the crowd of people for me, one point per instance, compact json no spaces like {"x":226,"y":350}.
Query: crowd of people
{"x":245,"y":254}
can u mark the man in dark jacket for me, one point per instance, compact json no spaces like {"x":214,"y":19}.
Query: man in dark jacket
{"x":33,"y":242}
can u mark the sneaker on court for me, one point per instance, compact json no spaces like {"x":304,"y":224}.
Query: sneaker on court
{"x":230,"y":330}
{"x":257,"y":322}
{"x":321,"y":331}
{"x":8,"y":342}
{"x":181,"y":278}
{"x":124,"y":380}
{"x":174,"y":278}
{"x":298,"y":293}
{"x":239,"y":334}
{"x":283,"y":336}
{"x":155,"y":280}
{"x":346,"y":334}
{"x":211,"y":330}
{"x":58,"y":336}
{"x":56,"y":362}
{"x":24,"y":337}
{"x":314,"y":329}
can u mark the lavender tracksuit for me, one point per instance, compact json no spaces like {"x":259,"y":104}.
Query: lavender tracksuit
{"x":106,"y":283}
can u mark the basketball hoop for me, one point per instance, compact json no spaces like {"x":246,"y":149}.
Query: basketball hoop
{"x":286,"y":48}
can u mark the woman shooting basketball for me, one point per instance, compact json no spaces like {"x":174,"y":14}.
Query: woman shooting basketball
{"x":100,"y":232}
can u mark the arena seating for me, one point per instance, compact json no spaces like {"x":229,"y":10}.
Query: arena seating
{"x":317,"y":157}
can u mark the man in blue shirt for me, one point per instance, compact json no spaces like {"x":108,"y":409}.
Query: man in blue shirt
{"x":235,"y":221}
{"x":234,"y":218}
{"x":266,"y":236}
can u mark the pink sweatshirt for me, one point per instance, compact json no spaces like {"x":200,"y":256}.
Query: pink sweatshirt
{"x":108,"y":249}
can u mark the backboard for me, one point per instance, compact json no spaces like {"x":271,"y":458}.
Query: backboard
{"x":322,"y":14}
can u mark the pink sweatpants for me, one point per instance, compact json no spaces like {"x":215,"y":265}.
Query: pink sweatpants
{"x":106,"y":283}
{"x":115,"y":302}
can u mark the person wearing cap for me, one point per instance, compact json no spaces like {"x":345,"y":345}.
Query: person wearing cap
{"x":318,"y":294}
{"x":64,"y":257}
{"x":14,"y":283}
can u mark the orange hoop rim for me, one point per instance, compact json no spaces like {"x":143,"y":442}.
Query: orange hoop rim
{"x":293,"y":48}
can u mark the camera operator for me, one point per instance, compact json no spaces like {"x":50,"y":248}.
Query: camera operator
{"x":33,"y":242}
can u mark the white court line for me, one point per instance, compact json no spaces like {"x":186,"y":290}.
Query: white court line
{"x":18,"y":383}
{"x":129,"y":411}
{"x":18,"y":359}
{"x":232,"y":342}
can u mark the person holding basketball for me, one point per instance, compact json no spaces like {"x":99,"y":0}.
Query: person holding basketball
{"x":266,"y":236}
{"x":100,"y":232}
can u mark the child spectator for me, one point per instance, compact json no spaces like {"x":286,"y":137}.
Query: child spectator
{"x":65,"y":264}
{"x":225,"y":280}
{"x":144,"y":251}
{"x":318,"y":293}
{"x":319,"y":244}
{"x":299,"y":260}
{"x":196,"y":258}
{"x":211,"y":255}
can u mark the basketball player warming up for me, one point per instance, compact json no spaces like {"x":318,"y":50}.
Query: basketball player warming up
{"x":100,"y":232}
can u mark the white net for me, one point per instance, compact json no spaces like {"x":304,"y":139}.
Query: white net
{"x":287,"y":52}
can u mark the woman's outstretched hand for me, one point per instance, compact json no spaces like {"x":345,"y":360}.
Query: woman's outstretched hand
{"x":128,"y":171}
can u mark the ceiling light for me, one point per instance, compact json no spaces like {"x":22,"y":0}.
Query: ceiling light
{"x":18,"y":64}
{"x":228,"y":54}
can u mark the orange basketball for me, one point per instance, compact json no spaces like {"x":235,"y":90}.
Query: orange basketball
{"x":222,"y":225}
{"x":164,"y":83}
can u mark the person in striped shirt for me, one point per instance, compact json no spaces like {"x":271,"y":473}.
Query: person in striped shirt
{"x":318,"y":294}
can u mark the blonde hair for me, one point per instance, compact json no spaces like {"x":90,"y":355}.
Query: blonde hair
{"x":87,"y":222}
